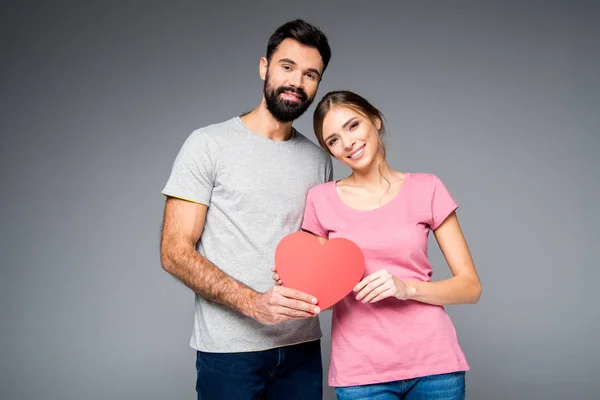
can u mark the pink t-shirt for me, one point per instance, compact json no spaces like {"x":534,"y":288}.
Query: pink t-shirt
{"x":391,"y":339}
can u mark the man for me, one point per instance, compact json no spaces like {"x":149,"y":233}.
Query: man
{"x":235,"y":190}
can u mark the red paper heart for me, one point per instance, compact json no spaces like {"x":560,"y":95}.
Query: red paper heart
{"x":328,"y":271}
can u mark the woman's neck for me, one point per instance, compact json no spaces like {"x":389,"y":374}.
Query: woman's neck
{"x":379,"y":175}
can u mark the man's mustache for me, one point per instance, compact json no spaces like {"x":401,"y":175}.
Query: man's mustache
{"x":301,"y":92}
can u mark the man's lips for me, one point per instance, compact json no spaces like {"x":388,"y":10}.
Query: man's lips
{"x":292,"y":96}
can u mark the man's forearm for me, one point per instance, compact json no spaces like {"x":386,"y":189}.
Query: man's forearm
{"x":207,"y":280}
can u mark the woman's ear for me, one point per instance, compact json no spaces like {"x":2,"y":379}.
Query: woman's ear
{"x":377,"y":123}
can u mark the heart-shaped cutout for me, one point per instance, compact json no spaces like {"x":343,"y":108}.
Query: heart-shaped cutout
{"x":328,"y":271}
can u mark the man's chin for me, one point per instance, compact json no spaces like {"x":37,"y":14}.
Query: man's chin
{"x":287,"y":111}
{"x":298,"y":110}
{"x":292,"y":104}
{"x":286,"y":117}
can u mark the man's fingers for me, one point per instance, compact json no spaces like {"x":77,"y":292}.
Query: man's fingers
{"x":289,"y":313}
{"x":297,"y":295}
{"x":293,"y":299}
{"x":278,"y":315}
{"x":297,"y":305}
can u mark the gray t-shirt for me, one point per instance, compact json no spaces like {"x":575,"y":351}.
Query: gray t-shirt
{"x":255,"y":189}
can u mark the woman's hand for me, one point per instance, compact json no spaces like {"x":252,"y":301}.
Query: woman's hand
{"x":381,"y":285}
{"x":276,"y":278}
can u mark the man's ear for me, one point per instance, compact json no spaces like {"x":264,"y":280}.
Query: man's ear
{"x":263,"y":67}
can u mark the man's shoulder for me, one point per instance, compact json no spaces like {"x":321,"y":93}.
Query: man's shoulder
{"x":215,"y":129}
{"x":311,"y":146}
{"x":209,"y":136}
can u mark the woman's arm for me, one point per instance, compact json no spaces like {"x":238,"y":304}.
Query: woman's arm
{"x":464,"y":287}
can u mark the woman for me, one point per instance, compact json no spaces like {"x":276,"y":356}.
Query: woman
{"x":391,"y":337}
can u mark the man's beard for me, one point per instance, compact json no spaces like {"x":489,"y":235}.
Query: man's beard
{"x":285,"y":110}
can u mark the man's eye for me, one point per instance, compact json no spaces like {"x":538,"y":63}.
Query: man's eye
{"x":311,"y":76}
{"x":287,"y":67}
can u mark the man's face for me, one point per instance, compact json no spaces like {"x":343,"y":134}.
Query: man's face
{"x":291,"y":79}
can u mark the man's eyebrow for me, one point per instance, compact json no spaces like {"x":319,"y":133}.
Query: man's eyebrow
{"x":288,"y":61}
{"x":315,"y":71}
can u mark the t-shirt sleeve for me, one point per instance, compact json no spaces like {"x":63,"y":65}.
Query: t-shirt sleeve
{"x":193,"y":174}
{"x":311,"y":221}
{"x":442,"y":203}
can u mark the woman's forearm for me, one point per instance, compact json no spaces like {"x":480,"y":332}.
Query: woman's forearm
{"x":460,"y":289}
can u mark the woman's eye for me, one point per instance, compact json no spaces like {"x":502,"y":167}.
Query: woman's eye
{"x":332,"y":142}
{"x":353,"y":125}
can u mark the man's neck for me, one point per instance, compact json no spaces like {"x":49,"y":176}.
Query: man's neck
{"x":262,"y":122}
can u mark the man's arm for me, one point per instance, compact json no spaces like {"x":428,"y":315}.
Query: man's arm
{"x":182,"y":227}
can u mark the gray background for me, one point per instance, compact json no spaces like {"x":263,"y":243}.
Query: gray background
{"x":500,"y":99}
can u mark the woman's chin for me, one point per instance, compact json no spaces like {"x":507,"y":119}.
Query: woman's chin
{"x":361,"y":165}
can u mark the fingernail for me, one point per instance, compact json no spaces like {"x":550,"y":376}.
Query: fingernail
{"x":317,"y":310}
{"x":314,"y":301}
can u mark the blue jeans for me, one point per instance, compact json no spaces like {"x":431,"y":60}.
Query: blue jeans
{"x":434,"y":387}
{"x":290,"y":373}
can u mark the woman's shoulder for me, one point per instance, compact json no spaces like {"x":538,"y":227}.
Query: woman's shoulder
{"x":423,"y":179}
{"x":425,"y":183}
{"x":421,"y":176}
{"x":321,"y":189}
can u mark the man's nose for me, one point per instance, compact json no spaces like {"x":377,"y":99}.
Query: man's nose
{"x":296,"y":79}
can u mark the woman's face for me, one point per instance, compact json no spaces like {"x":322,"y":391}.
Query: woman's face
{"x":351,"y":137}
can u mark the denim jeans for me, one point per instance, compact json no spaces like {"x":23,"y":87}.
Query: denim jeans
{"x":434,"y":387}
{"x":291,"y":373}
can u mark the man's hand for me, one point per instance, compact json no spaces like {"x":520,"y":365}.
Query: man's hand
{"x":276,"y":277}
{"x":281,"y":304}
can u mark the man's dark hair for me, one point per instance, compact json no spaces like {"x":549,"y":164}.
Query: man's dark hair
{"x":304,"y":33}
